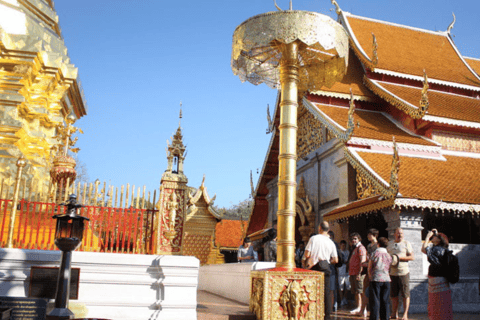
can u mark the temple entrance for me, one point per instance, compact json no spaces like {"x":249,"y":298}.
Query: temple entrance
{"x":362,"y":223}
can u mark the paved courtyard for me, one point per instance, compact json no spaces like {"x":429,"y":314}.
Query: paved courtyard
{"x":214,"y":307}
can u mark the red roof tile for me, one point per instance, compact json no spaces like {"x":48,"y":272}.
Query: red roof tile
{"x":410,"y":51}
{"x":230,"y":233}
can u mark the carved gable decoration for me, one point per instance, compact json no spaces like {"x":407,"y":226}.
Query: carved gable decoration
{"x":310,"y":133}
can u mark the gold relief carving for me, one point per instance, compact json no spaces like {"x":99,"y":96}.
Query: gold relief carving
{"x":257,"y":297}
{"x":305,"y":212}
{"x":294,"y":301}
{"x":457,"y":141}
{"x":365,"y":188}
{"x":287,"y":295}
{"x":310,"y":134}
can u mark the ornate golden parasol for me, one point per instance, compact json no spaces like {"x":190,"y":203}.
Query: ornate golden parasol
{"x":295,"y":51}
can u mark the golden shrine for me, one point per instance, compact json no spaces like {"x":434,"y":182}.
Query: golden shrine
{"x":39,"y":89}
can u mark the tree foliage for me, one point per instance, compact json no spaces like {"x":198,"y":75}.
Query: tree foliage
{"x":239,"y":211}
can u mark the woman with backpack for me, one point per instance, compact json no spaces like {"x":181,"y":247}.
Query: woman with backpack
{"x":439,"y":293}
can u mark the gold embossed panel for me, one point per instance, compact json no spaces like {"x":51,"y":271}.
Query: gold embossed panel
{"x":284,"y":295}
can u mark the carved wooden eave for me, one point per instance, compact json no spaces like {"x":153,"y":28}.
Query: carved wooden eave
{"x":334,"y":128}
{"x":437,"y":206}
{"x":396,"y":101}
{"x":202,"y":192}
{"x":388,"y":190}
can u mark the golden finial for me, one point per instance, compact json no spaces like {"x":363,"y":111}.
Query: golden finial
{"x":64,"y":135}
{"x":375,"y":49}
{"x":180,"y":115}
{"x":337,"y":7}
{"x":450,"y":27}
{"x":276,"y":6}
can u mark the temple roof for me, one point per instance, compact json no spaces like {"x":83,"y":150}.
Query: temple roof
{"x":352,"y":80}
{"x":372,"y":125}
{"x":474,"y":63}
{"x":452,"y":179}
{"x":406,"y":51}
{"x":441,"y":104}
{"x":230,"y":233}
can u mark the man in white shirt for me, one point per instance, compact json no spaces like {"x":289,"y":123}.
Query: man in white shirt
{"x":320,"y":252}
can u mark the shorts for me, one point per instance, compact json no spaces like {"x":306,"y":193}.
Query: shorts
{"x":400,"y":284}
{"x":357,"y":285}
{"x":332,"y":282}
{"x":344,"y":282}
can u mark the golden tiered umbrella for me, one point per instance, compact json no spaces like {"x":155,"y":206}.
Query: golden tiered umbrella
{"x":295,"y":51}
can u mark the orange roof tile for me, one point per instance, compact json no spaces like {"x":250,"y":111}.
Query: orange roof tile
{"x":373,"y":125}
{"x":474,"y":63}
{"x":230,"y":233}
{"x":454,"y":180}
{"x":441,"y":104}
{"x":410,"y":51}
{"x":353,"y":79}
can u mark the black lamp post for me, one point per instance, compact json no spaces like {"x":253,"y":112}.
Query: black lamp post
{"x":68,"y":237}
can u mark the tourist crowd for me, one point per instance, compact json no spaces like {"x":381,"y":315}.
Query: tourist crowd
{"x":377,"y":275}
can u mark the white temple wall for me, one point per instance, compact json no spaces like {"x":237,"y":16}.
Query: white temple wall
{"x":230,"y":280}
{"x":114,"y":286}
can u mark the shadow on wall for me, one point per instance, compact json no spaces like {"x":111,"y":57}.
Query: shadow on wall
{"x":156,"y":272}
{"x":15,"y":271}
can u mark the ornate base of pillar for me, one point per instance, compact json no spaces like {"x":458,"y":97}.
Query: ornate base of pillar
{"x":284,"y":294}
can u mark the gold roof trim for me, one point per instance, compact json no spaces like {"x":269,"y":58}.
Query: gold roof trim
{"x":339,"y":132}
{"x":381,"y":204}
{"x":388,"y":191}
{"x":410,"y":109}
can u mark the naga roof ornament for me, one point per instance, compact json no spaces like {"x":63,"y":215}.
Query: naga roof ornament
{"x":424,"y":100}
{"x":394,"y":187}
{"x":375,"y":49}
{"x":337,"y":7}
{"x":450,"y":27}
{"x":410,"y":109}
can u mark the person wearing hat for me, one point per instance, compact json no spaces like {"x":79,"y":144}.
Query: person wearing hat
{"x":245,"y":251}
{"x":399,"y":272}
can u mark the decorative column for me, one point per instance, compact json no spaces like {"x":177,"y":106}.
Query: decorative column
{"x":170,"y":222}
{"x":295,"y":51}
{"x":287,"y":159}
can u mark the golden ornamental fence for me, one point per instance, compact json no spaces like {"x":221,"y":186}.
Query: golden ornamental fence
{"x":120,"y":221}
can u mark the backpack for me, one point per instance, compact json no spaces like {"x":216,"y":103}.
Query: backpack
{"x":452,"y":269}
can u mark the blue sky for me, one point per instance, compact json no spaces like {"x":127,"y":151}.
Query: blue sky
{"x":138,"y":59}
